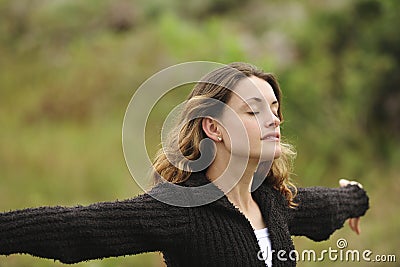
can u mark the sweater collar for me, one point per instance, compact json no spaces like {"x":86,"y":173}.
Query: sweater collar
{"x":271,"y":202}
{"x":263,"y":195}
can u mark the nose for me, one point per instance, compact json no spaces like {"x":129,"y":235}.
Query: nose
{"x":273,"y":121}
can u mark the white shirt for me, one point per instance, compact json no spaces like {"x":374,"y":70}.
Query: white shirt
{"x":265,"y":245}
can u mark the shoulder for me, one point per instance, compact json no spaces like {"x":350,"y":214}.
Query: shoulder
{"x":271,"y":197}
{"x":196,"y":191}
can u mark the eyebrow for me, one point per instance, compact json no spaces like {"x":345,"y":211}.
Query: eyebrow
{"x":257,"y":99}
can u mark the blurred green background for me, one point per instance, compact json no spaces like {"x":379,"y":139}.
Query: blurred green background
{"x":70,"y":67}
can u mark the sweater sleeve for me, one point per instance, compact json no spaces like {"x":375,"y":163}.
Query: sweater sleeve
{"x":74,"y":234}
{"x":321,"y":211}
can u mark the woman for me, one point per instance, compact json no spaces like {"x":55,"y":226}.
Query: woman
{"x":227,"y":139}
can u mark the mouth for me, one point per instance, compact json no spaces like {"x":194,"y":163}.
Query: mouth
{"x":274,"y":136}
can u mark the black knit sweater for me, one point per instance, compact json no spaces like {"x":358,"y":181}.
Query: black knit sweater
{"x":216,"y":234}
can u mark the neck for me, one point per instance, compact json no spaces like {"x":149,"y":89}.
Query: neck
{"x":234,"y":178}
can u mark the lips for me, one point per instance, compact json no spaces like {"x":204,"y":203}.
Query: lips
{"x":274,"y":136}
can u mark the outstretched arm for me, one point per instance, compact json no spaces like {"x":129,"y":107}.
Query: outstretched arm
{"x":321,"y":210}
{"x":97,"y":231}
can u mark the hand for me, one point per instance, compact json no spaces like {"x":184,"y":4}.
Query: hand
{"x":354,"y":223}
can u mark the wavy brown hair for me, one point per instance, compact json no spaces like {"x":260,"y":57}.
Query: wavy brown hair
{"x":184,"y":150}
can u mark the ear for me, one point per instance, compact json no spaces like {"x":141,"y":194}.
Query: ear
{"x":211,"y":129}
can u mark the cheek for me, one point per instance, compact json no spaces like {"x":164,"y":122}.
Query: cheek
{"x":247,"y":139}
{"x":243,"y":130}
{"x":253,"y":129}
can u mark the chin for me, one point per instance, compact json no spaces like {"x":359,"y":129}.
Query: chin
{"x":277,"y":153}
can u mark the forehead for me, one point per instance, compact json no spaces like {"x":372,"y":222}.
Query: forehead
{"x":250,"y":88}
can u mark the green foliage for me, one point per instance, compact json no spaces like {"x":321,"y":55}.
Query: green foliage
{"x":69,"y":69}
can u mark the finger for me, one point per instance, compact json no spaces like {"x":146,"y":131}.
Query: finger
{"x":355,"y":225}
{"x":343,"y":182}
{"x":351,"y":224}
{"x":356,"y":183}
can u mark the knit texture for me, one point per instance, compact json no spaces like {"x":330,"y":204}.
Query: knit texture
{"x":216,"y":234}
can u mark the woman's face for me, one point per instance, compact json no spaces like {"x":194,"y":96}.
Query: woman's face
{"x":250,"y":122}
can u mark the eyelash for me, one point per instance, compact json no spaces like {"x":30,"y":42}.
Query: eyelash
{"x":255,"y":113}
